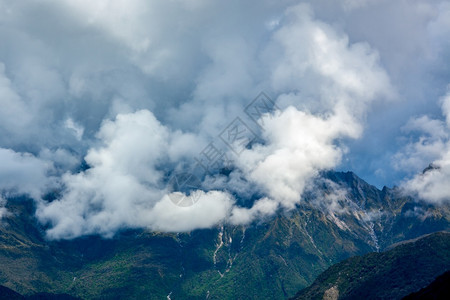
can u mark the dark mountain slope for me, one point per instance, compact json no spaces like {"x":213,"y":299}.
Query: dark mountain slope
{"x":389,"y":275}
{"x":439,"y":289}
{"x":8,"y":294}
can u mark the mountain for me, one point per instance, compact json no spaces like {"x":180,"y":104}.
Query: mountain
{"x":272,"y":258}
{"x":8,"y":294}
{"x":393,"y":274}
{"x":438,"y":289}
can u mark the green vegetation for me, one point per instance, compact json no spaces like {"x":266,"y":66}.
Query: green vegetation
{"x":389,"y":275}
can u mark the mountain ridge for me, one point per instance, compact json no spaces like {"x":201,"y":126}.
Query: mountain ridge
{"x":276,"y":258}
{"x":393,"y":274}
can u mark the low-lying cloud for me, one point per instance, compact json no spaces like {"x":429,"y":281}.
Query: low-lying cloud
{"x":124,"y":186}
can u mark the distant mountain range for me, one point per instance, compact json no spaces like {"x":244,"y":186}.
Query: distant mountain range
{"x":271,"y":259}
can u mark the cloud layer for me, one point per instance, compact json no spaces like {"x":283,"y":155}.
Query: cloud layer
{"x":103,"y":101}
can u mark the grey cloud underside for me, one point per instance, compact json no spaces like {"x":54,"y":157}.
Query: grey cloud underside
{"x":136,"y":95}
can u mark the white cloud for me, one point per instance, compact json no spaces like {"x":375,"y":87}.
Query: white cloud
{"x":12,"y":106}
{"x":355,"y":4}
{"x":209,"y":210}
{"x":261,"y":209}
{"x":434,"y":145}
{"x":330,"y":197}
{"x":124,"y":186}
{"x":326,"y":69}
{"x":3,"y":210}
{"x":445,"y":102}
{"x":298,"y":144}
{"x":23,"y":173}
{"x":429,"y":146}
{"x":62,"y":159}
{"x":432,"y":186}
{"x":77,"y":129}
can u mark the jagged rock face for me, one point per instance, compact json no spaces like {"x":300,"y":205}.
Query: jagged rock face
{"x":272,"y":259}
{"x":387,"y":215}
{"x":331,"y":294}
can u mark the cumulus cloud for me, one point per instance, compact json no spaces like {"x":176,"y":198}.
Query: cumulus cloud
{"x":210,"y":209}
{"x":137,"y":88}
{"x":433,"y":144}
{"x":298,"y":144}
{"x":124,"y":186}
